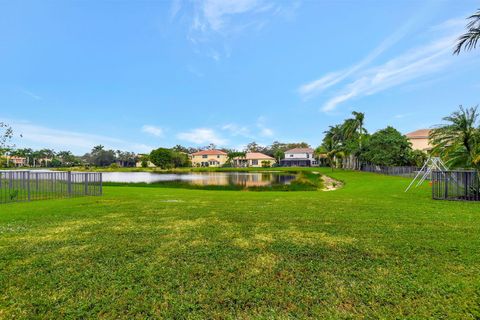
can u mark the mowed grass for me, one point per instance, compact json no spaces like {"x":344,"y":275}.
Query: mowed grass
{"x":368,"y":250}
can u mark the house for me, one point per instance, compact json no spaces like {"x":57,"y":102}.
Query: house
{"x":143,"y":161}
{"x":16,"y":161}
{"x":209,"y":158}
{"x":253,"y":159}
{"x":419,"y":139}
{"x":299,"y":157}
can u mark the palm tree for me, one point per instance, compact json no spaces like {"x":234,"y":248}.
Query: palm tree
{"x":353,"y":133}
{"x":354,"y":127}
{"x":458,"y":141}
{"x":332,"y":144}
{"x":469,"y":39}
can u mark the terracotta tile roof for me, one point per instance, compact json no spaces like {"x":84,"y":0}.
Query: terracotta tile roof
{"x":300,"y":150}
{"x":419,"y":134}
{"x":255,"y":156}
{"x":209,"y":152}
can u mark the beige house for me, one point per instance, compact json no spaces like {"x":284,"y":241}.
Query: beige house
{"x":141,"y":157}
{"x":419,"y":139}
{"x":209,"y":158}
{"x":16,"y":161}
{"x":253,"y":159}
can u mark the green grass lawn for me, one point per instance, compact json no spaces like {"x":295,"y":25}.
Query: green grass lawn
{"x":368,"y":250}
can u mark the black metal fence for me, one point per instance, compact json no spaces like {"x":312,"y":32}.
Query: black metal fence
{"x":455,"y":185}
{"x":405,"y":171}
{"x":39,"y":185}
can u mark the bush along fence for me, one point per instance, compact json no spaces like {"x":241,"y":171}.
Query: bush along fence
{"x":456,"y":185}
{"x":405,"y":171}
{"x":18,"y":186}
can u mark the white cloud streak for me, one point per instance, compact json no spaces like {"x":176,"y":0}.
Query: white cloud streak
{"x":214,"y":22}
{"x":416,"y":63}
{"x":317,"y":86}
{"x":153,"y":130}
{"x":237,"y":130}
{"x":202,"y":136}
{"x":215,"y":14}
{"x":175,"y":8}
{"x":36,"y":136}
{"x":31,"y":94}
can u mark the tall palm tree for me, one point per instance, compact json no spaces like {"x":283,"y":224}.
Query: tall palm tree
{"x":354,"y":127}
{"x":458,"y":141}
{"x":469,"y":39}
{"x":332,"y":144}
{"x":354,"y":133}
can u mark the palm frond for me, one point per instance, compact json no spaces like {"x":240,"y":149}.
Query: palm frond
{"x":469,"y":39}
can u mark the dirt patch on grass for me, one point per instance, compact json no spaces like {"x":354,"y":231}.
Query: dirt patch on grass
{"x":330,"y":184}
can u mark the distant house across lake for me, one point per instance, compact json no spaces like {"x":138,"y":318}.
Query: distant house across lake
{"x":209,"y":158}
{"x":143,"y":161}
{"x":253,"y":159}
{"x":299,"y":157}
{"x":419,"y":139}
{"x":16,"y":161}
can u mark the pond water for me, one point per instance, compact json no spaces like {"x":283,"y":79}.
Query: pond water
{"x":247,"y":179}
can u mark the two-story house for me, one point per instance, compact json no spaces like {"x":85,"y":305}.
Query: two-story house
{"x":299,"y":157}
{"x":209,"y":158}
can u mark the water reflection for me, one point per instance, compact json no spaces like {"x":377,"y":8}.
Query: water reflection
{"x":246,"y":179}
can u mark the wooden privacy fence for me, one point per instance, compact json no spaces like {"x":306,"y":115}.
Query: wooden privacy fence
{"x":455,"y":185}
{"x":39,"y":185}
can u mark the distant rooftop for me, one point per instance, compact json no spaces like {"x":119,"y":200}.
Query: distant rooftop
{"x":419,"y":134}
{"x":300,"y":150}
{"x":255,"y":156}
{"x":209,"y":152}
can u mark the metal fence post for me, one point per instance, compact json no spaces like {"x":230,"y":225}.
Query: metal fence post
{"x":86,"y":183}
{"x":28,"y":185}
{"x":69,"y":183}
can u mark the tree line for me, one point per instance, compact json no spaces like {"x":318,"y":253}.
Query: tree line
{"x":349,"y":144}
{"x":456,"y":141}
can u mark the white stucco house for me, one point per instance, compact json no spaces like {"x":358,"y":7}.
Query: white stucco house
{"x":299,"y":157}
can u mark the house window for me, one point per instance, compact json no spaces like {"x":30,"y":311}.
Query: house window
{"x":205,"y":156}
{"x":254,"y":162}
{"x":291,"y":156}
{"x":218,"y":156}
{"x":308,"y":156}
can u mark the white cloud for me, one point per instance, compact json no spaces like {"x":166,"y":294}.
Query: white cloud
{"x":175,"y":8}
{"x":314,"y":87}
{"x":37,"y":136}
{"x":201,"y":136}
{"x":153,"y":130}
{"x":402,"y":115}
{"x":419,"y":62}
{"x":31,"y":94}
{"x":264,"y":130}
{"x":215,"y":14}
{"x":214,"y":22}
{"x":236,"y":130}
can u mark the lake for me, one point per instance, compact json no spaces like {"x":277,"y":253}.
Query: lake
{"x":246,"y":179}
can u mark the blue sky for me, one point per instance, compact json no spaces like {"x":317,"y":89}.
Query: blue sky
{"x":137,"y":75}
